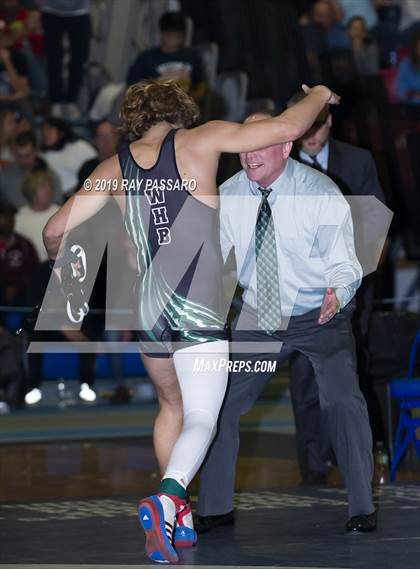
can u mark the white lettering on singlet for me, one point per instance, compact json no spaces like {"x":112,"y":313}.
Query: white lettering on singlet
{"x":164,"y":235}
{"x":159,"y":215}
{"x":156,"y":197}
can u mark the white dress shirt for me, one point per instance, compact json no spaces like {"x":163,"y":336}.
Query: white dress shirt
{"x":321,"y":157}
{"x":314,"y":237}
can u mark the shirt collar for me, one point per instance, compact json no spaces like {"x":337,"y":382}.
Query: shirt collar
{"x":280,"y":185}
{"x":322,"y":156}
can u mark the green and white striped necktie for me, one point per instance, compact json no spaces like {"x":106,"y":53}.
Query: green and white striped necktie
{"x":268,"y":288}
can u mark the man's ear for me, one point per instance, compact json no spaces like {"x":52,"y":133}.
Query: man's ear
{"x":329,"y":120}
{"x":287,"y":148}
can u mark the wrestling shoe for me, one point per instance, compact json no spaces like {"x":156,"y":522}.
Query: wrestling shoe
{"x":185,"y":534}
{"x":157,"y":515}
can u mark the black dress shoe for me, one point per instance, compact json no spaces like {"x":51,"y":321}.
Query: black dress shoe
{"x":362,"y":523}
{"x":313,"y":478}
{"x":203,"y":524}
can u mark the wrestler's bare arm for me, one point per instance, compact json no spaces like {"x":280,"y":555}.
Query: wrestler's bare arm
{"x":87,"y":203}
{"x":223,"y":136}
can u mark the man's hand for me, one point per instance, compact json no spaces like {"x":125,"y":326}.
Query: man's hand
{"x":329,"y":307}
{"x":333,"y":98}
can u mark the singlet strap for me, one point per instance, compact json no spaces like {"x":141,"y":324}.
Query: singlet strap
{"x":123,"y":157}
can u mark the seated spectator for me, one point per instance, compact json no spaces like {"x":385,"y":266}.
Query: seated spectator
{"x":365,"y":9}
{"x":18,"y":259}
{"x":106,"y":141}
{"x":324,"y":16}
{"x":365,"y":50}
{"x":23,"y":34}
{"x":32,"y":218}
{"x":14,"y":83}
{"x":171,"y":60}
{"x":26,"y":161}
{"x":14,"y":30}
{"x":8,"y":129}
{"x":408,"y":77}
{"x":64,"y":152}
{"x":35,"y":55}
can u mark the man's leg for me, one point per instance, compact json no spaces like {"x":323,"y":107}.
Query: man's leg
{"x":217,"y":478}
{"x":53,"y":33}
{"x":331,"y":349}
{"x":306,"y":409}
{"x":79,"y":32}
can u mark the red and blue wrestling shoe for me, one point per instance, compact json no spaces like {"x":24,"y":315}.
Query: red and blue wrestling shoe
{"x":185,"y":534}
{"x":157,"y":515}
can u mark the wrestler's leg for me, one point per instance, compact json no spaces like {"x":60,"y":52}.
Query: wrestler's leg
{"x":202,"y":394}
{"x":168,"y":423}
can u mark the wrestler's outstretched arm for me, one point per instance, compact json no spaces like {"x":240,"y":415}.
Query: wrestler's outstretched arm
{"x":89,"y":202}
{"x":223,"y":136}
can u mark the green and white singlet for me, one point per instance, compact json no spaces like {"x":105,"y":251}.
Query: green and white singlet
{"x":176,"y":236}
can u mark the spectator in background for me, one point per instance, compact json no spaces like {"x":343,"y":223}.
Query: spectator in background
{"x":8,"y":130}
{"x":71,"y":18}
{"x":364,"y":9}
{"x":26,"y":161}
{"x":365,"y":50}
{"x":14,"y":83}
{"x":32,"y":218}
{"x":106,"y":141}
{"x":18,"y":259}
{"x":23,"y":34}
{"x":33,"y":49}
{"x":171,"y":60}
{"x":14,"y":30}
{"x":324,"y":15}
{"x":64,"y":153}
{"x":408,"y":78}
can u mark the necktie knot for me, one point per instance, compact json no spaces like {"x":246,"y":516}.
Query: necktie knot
{"x":265,"y":192}
{"x":316,"y":164}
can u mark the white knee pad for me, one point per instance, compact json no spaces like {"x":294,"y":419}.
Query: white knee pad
{"x":202,"y":395}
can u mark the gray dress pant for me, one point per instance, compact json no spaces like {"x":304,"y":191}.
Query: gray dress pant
{"x":331,"y":350}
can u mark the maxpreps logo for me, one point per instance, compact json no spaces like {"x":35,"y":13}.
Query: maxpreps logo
{"x":155,"y":193}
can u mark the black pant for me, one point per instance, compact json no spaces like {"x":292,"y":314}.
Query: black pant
{"x":78,"y":30}
{"x":36,"y":360}
{"x":312,"y":443}
{"x":331,"y":350}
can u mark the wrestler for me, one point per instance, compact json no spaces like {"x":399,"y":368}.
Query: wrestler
{"x":183,"y":320}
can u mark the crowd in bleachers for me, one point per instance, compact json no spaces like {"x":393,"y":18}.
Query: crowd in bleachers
{"x":367,"y":50}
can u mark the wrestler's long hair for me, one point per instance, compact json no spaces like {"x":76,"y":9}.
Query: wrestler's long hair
{"x":150,"y":102}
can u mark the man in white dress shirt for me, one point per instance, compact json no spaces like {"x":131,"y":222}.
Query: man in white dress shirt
{"x":292,"y":234}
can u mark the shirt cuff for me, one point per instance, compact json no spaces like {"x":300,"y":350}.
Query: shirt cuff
{"x":343,"y":297}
